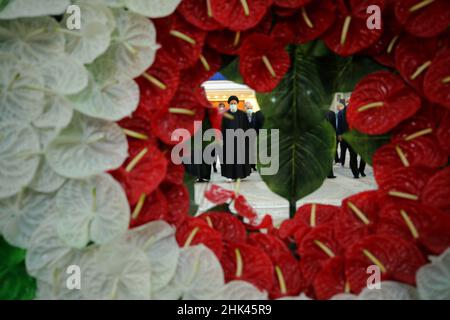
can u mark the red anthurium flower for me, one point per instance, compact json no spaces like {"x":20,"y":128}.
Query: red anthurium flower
{"x":291,"y":3}
{"x":404,"y":184}
{"x":229,"y":42}
{"x":443,"y":132}
{"x":314,"y":19}
{"x":141,"y":173}
{"x":307,"y":217}
{"x":175,"y":172}
{"x":423,"y":18}
{"x":349,"y":34}
{"x":289,"y":279}
{"x":219,"y":195}
{"x":283,"y":12}
{"x":315,"y":249}
{"x":436,"y":84}
{"x":157,"y":86}
{"x":184,"y":109}
{"x":195,"y":231}
{"x":330,"y":280}
{"x":418,"y":223}
{"x":284,"y":32}
{"x":380,"y":102}
{"x":357,"y":217}
{"x":138,"y":132}
{"x":178,"y":200}
{"x":241,"y":261}
{"x":421,"y":152}
{"x":270,"y":244}
{"x":396,"y":258}
{"x":244,"y":209}
{"x":263,"y":62}
{"x":231,"y":228}
{"x":437,"y":191}
{"x":181,"y":40}
{"x":199,"y":13}
{"x":209,"y":63}
{"x":413,"y":57}
{"x":265,"y":223}
{"x":239,"y":15}
{"x":149,"y":208}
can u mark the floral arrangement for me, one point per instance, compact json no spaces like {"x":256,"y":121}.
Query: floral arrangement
{"x":85,"y":141}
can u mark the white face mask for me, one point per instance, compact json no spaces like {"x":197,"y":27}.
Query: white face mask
{"x":249,"y":111}
{"x":233,"y":107}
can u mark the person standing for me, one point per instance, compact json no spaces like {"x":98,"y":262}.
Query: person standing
{"x":218,"y":116}
{"x":343,"y":128}
{"x":237,"y":119}
{"x":331,"y":117}
{"x":256,"y":121}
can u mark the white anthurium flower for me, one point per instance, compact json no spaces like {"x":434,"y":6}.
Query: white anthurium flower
{"x":21,"y":214}
{"x":153,"y":8}
{"x":23,"y":8}
{"x":107,"y":96}
{"x":157,"y":240}
{"x":389,"y":290}
{"x":46,"y":180}
{"x":302,"y":296}
{"x":21,"y":91}
{"x":240,"y":290}
{"x":95,"y":209}
{"x":94,"y":36}
{"x":86,"y":147}
{"x":344,"y":296}
{"x":48,"y":256}
{"x":133,"y":47}
{"x":433,"y":279}
{"x":199,"y":276}
{"x":19,"y":157}
{"x":33,"y":40}
{"x":117,"y":271}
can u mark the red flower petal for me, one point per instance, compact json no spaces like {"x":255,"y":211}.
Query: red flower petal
{"x":330,"y":280}
{"x":209,"y":63}
{"x":155,"y":207}
{"x":181,"y":40}
{"x":314,"y":19}
{"x":199,"y":13}
{"x":350,"y":34}
{"x":417,"y":223}
{"x":263,"y":62}
{"x":194,"y":231}
{"x":380,"y":102}
{"x":228,"y":225}
{"x":289,"y":278}
{"x":443,"y":132}
{"x":178,"y":200}
{"x":219,"y":195}
{"x":139,"y":134}
{"x":357,"y":217}
{"x":436,"y":84}
{"x":244,"y":209}
{"x":397,"y":258}
{"x":423,"y":21}
{"x":291,"y":3}
{"x":270,"y":244}
{"x":143,"y":176}
{"x":241,"y":261}
{"x":234,"y":15}
{"x":157,"y":86}
{"x":437,"y":191}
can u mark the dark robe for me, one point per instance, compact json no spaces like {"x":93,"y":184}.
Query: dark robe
{"x":234,"y":170}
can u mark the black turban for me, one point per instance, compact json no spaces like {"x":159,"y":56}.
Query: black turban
{"x":233,"y":98}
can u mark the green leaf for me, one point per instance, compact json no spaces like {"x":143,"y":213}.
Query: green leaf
{"x":189,"y":181}
{"x":3,"y":4}
{"x":365,"y":145}
{"x":16,"y":284}
{"x":231,"y":71}
{"x":306,"y":140}
{"x":10,"y":256}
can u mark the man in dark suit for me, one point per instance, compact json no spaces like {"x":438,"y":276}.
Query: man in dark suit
{"x":331,"y":117}
{"x":342,"y":128}
{"x":255,"y":119}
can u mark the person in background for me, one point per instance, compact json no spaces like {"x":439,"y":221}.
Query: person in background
{"x":256,"y":120}
{"x":341,"y":129}
{"x":237,"y":119}
{"x":343,"y":146}
{"x":221,"y":110}
{"x":331,"y":117}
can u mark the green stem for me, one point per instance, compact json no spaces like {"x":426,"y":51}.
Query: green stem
{"x":292,"y":208}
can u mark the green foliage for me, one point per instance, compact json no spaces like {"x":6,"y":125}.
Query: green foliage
{"x":364,"y":144}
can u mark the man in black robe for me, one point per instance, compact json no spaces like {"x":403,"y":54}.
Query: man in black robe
{"x":237,"y":119}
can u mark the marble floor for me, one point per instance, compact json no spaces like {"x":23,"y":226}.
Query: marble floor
{"x":265,"y":201}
